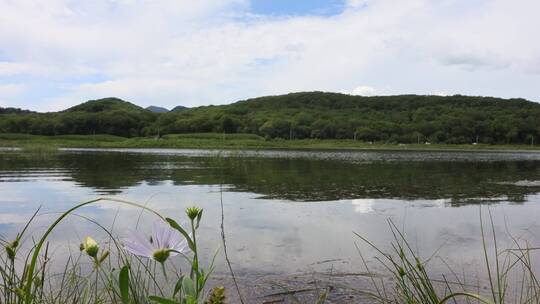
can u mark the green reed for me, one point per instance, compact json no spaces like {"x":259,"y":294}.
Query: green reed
{"x":412,"y":282}
{"x":105,"y":271}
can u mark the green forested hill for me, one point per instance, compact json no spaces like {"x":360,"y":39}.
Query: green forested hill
{"x":405,"y":118}
{"x":396,"y":119}
{"x":103,"y":116}
{"x":105,"y":105}
{"x":156,"y":109}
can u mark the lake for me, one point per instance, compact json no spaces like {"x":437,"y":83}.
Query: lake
{"x":285,"y":212}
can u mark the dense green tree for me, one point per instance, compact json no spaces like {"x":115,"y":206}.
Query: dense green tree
{"x":276,"y":128}
{"x":366,"y":134}
{"x":396,"y":119}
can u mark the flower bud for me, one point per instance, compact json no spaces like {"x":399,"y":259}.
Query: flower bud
{"x":193,"y":212}
{"x":10,"y":252}
{"x":90,"y":246}
{"x":161,"y":255}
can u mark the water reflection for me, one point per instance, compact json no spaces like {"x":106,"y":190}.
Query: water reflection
{"x":459,"y":177}
{"x":273,"y":226}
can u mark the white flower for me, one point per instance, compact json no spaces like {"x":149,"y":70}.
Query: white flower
{"x":164,"y":242}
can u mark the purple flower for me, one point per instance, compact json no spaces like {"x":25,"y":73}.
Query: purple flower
{"x":164,"y":242}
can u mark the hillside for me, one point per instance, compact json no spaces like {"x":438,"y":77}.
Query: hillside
{"x":397,"y":119}
{"x":179,"y":108}
{"x":105,"y":105}
{"x":389,"y":119}
{"x":103,"y":116}
{"x":156,"y":109}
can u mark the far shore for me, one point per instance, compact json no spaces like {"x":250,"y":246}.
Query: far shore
{"x":232,"y":142}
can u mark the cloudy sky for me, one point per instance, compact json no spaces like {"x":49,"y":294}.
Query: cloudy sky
{"x":58,"y":53}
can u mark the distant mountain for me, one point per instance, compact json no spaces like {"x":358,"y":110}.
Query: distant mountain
{"x":156,"y":109}
{"x":179,"y":108}
{"x":105,"y":105}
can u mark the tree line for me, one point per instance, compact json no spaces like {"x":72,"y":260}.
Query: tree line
{"x":390,"y":119}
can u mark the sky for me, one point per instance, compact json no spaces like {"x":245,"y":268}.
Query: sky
{"x":58,"y":53}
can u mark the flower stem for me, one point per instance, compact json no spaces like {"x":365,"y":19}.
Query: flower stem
{"x":195,"y":264}
{"x":96,"y":287}
{"x":164,"y":271}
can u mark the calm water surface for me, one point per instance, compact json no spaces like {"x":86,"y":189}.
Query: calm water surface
{"x":285,"y":211}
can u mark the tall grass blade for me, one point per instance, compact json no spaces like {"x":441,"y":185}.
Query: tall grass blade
{"x":123,"y":281}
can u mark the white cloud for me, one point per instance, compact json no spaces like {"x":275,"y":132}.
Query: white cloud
{"x":441,"y":93}
{"x":10,"y":92}
{"x":170,"y":52}
{"x":364,"y":91}
{"x":15,"y":68}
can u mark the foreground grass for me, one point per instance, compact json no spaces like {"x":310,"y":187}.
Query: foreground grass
{"x":225,"y":141}
{"x":133,"y":270}
{"x":510,"y":274}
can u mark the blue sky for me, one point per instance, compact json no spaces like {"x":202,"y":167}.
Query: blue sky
{"x":59,"y":53}
{"x":298,"y":7}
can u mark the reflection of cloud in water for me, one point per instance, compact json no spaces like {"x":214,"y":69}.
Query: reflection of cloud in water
{"x":363,"y":205}
{"x":43,"y":190}
{"x":523,"y":183}
{"x":438,"y":203}
{"x":11,"y":218}
{"x":165,"y":196}
{"x":466,"y":236}
{"x":11,"y":198}
{"x":368,"y":205}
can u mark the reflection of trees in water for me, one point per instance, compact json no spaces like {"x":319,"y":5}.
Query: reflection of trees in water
{"x":306,"y":180}
{"x":296,"y":179}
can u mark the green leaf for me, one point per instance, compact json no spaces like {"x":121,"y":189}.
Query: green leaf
{"x":191,"y":300}
{"x":162,"y":300}
{"x":178,"y":286}
{"x":189,"y":287}
{"x":175,"y":225}
{"x":123,"y":279}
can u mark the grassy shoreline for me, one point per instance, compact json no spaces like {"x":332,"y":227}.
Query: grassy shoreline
{"x":229,"y":141}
